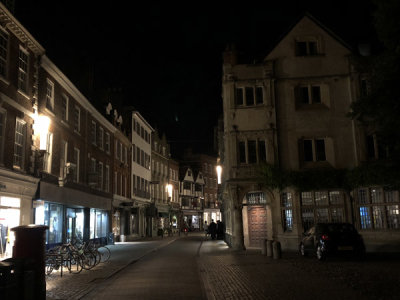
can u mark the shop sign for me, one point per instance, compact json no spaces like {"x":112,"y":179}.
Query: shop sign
{"x":38,"y":203}
{"x":256,"y":198}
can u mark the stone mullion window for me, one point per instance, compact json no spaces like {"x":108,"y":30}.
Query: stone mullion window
{"x":378,"y":209}
{"x":321,"y":206}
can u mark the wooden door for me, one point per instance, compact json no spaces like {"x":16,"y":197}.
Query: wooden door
{"x":257,"y":216}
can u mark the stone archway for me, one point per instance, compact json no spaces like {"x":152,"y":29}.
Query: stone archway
{"x":257,"y":219}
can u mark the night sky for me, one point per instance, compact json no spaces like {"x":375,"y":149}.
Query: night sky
{"x":165,"y":59}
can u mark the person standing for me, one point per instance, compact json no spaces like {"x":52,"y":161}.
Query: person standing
{"x":220,"y":230}
{"x":212,"y":229}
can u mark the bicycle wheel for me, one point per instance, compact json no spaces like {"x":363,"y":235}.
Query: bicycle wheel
{"x":50,"y":262}
{"x":105,"y":253}
{"x":88,"y":260}
{"x":74,"y":263}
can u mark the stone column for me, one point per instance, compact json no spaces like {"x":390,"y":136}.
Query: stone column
{"x":237,"y":234}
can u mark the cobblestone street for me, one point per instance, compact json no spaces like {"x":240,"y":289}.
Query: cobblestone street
{"x":227,"y":274}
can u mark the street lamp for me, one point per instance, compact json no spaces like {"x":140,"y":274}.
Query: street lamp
{"x":41,"y":127}
{"x":169,"y":190}
{"x":219,"y":173}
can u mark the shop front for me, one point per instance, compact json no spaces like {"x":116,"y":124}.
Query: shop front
{"x":16,"y":193}
{"x":71,"y":214}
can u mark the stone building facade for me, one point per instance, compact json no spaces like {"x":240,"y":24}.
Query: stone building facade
{"x":290,"y":111}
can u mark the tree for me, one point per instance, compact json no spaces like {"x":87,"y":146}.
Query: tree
{"x":379,"y":109}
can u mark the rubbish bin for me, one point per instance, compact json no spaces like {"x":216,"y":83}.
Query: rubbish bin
{"x":29,"y":247}
{"x":8,"y":282}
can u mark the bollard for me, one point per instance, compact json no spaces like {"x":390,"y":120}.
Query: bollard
{"x":276,"y":249}
{"x":263,"y":247}
{"x":269,"y":248}
{"x":29,"y":246}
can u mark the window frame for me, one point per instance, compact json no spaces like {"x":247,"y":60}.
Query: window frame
{"x":19,"y":164}
{"x":23,"y":70}
{"x":4,"y":35}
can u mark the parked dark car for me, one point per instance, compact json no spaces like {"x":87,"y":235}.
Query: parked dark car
{"x":332,"y":239}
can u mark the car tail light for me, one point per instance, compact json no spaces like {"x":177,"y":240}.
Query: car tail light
{"x":325,"y":237}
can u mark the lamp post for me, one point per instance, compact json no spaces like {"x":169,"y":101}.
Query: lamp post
{"x":41,"y":129}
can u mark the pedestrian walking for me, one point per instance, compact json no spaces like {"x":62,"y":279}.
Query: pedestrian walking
{"x":206,"y":230}
{"x":212,"y":229}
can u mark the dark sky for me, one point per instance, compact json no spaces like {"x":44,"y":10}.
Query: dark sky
{"x":165,"y":58}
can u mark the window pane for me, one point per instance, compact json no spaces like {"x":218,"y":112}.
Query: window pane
{"x":252,"y":152}
{"x":393,"y":215}
{"x":249,"y":96}
{"x":308,"y":151}
{"x":316,"y":94}
{"x":377,"y":213}
{"x":376,"y":196}
{"x":259,"y":95}
{"x":335,"y":197}
{"x":320,"y":150}
{"x":239,"y":96}
{"x":303,"y":94}
{"x":321,"y":198}
{"x":337,"y":214}
{"x":301,"y":48}
{"x":362,"y":196}
{"x":287,"y":219}
{"x":307,"y":217}
{"x":286,"y":200}
{"x":365,"y":218}
{"x":306,"y":198}
{"x":312,"y":48}
{"x":242,"y":152}
{"x":262,"y":153}
{"x":322,"y":215}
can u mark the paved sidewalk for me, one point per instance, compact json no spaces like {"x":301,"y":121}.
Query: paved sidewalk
{"x":229,"y":274}
{"x":75,"y":286}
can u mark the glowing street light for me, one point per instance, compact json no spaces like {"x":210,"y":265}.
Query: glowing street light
{"x":169,"y":190}
{"x":219,"y":173}
{"x":41,"y":126}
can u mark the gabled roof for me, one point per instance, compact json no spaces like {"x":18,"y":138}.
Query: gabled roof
{"x":318,"y":23}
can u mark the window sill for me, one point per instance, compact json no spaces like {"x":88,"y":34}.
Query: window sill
{"x":312,"y":106}
{"x":5,"y":81}
{"x":65,"y":123}
{"x":49,"y":111}
{"x":23,"y":94}
{"x":315,"y":164}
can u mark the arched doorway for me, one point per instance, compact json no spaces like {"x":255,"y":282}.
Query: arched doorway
{"x":255,"y":219}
